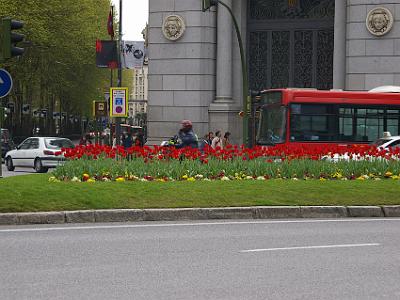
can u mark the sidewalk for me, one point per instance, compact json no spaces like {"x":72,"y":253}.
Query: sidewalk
{"x":181,"y":214}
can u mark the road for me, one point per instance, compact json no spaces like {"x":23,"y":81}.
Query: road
{"x":16,"y":172}
{"x":271,"y":259}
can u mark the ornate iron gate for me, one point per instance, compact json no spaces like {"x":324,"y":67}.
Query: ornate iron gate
{"x":290,"y":43}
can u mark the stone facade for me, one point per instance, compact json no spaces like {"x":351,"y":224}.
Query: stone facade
{"x":198,"y":76}
{"x":181,"y":72}
{"x":371,"y":61}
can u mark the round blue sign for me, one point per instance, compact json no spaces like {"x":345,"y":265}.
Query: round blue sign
{"x":5,"y":83}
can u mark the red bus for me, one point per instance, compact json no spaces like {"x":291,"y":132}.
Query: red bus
{"x":309,"y":116}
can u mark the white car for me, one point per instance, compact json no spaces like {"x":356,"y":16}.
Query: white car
{"x":40,"y":153}
{"x":388,"y":142}
{"x":383,"y":143}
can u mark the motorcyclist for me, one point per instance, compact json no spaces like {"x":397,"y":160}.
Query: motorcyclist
{"x":187,"y":136}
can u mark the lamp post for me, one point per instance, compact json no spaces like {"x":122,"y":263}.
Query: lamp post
{"x":118,"y":120}
{"x":245,"y":85}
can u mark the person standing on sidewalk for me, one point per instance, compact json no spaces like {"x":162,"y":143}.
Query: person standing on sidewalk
{"x":217,"y":141}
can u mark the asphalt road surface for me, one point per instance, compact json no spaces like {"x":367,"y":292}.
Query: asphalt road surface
{"x":271,"y":259}
{"x":16,"y":172}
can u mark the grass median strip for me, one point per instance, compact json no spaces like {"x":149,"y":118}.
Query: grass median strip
{"x":35,"y":193}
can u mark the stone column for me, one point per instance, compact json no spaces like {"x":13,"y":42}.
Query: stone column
{"x":339,"y":52}
{"x":224,"y":55}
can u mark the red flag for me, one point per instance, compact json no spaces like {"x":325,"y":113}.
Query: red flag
{"x":110,"y":24}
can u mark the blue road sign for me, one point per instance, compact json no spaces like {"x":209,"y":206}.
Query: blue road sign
{"x":5,"y":83}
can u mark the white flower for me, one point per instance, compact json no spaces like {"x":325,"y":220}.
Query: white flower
{"x":224,"y":178}
{"x":75,"y":179}
{"x":249,"y":178}
{"x":260,"y":178}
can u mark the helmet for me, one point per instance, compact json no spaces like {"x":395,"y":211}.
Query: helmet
{"x":186,"y":124}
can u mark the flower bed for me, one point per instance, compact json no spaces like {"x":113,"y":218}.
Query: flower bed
{"x":103,"y":163}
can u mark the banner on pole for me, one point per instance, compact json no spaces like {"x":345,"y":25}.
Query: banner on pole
{"x":118,"y":102}
{"x":106,"y":54}
{"x":132,"y":56}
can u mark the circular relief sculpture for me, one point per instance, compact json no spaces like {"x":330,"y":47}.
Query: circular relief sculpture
{"x":379,"y":21}
{"x":173,"y":27}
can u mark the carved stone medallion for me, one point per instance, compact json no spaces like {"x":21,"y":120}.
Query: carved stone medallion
{"x":173,"y":27}
{"x":379,"y":21}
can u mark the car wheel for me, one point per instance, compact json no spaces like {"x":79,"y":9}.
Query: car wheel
{"x":9,"y":164}
{"x":38,"y":166}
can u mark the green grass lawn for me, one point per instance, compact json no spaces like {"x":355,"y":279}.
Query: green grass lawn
{"x":35,"y":193}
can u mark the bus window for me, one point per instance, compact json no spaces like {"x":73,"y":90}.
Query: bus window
{"x":273,"y":97}
{"x":312,"y":122}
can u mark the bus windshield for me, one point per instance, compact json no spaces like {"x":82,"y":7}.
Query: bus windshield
{"x":272,"y":125}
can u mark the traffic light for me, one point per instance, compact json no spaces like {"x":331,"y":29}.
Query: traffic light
{"x":208,"y":3}
{"x":9,"y":39}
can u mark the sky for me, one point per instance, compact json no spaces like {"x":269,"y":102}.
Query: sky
{"x":134,"y":17}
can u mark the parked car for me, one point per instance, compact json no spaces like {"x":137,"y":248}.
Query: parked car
{"x":6,"y":142}
{"x":40,"y":153}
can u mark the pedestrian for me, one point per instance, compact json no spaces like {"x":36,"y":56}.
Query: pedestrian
{"x":203,"y":142}
{"x":82,"y":141}
{"x":217,"y":141}
{"x":114,"y":141}
{"x":210,"y":137}
{"x":128,"y":141}
{"x":225,"y":140}
{"x":139,"y":138}
{"x":187,"y":136}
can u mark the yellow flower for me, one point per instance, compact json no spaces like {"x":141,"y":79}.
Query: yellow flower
{"x":388,"y":174}
{"x":53,"y":179}
{"x":191,"y":179}
{"x":337,"y":175}
{"x":91,"y":180}
{"x":120,"y":179}
{"x":322,"y":179}
{"x":185,"y":177}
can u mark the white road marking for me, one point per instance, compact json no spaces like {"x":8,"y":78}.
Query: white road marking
{"x":311,"y":247}
{"x":194,"y":224}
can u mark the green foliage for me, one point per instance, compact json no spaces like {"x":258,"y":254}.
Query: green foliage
{"x":234,"y":169}
{"x":59,"y":58}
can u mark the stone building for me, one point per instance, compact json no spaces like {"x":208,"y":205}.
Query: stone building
{"x":137,"y":103}
{"x":195,"y":67}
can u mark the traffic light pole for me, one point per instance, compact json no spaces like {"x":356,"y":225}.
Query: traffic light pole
{"x":245,"y":87}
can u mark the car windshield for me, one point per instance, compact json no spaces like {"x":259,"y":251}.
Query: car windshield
{"x":58,"y":143}
{"x":380,"y":142}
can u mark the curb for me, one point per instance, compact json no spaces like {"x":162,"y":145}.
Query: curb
{"x":179,"y":214}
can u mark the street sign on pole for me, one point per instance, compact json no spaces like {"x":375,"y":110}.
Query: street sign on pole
{"x":6,"y":83}
{"x":118,"y":102}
